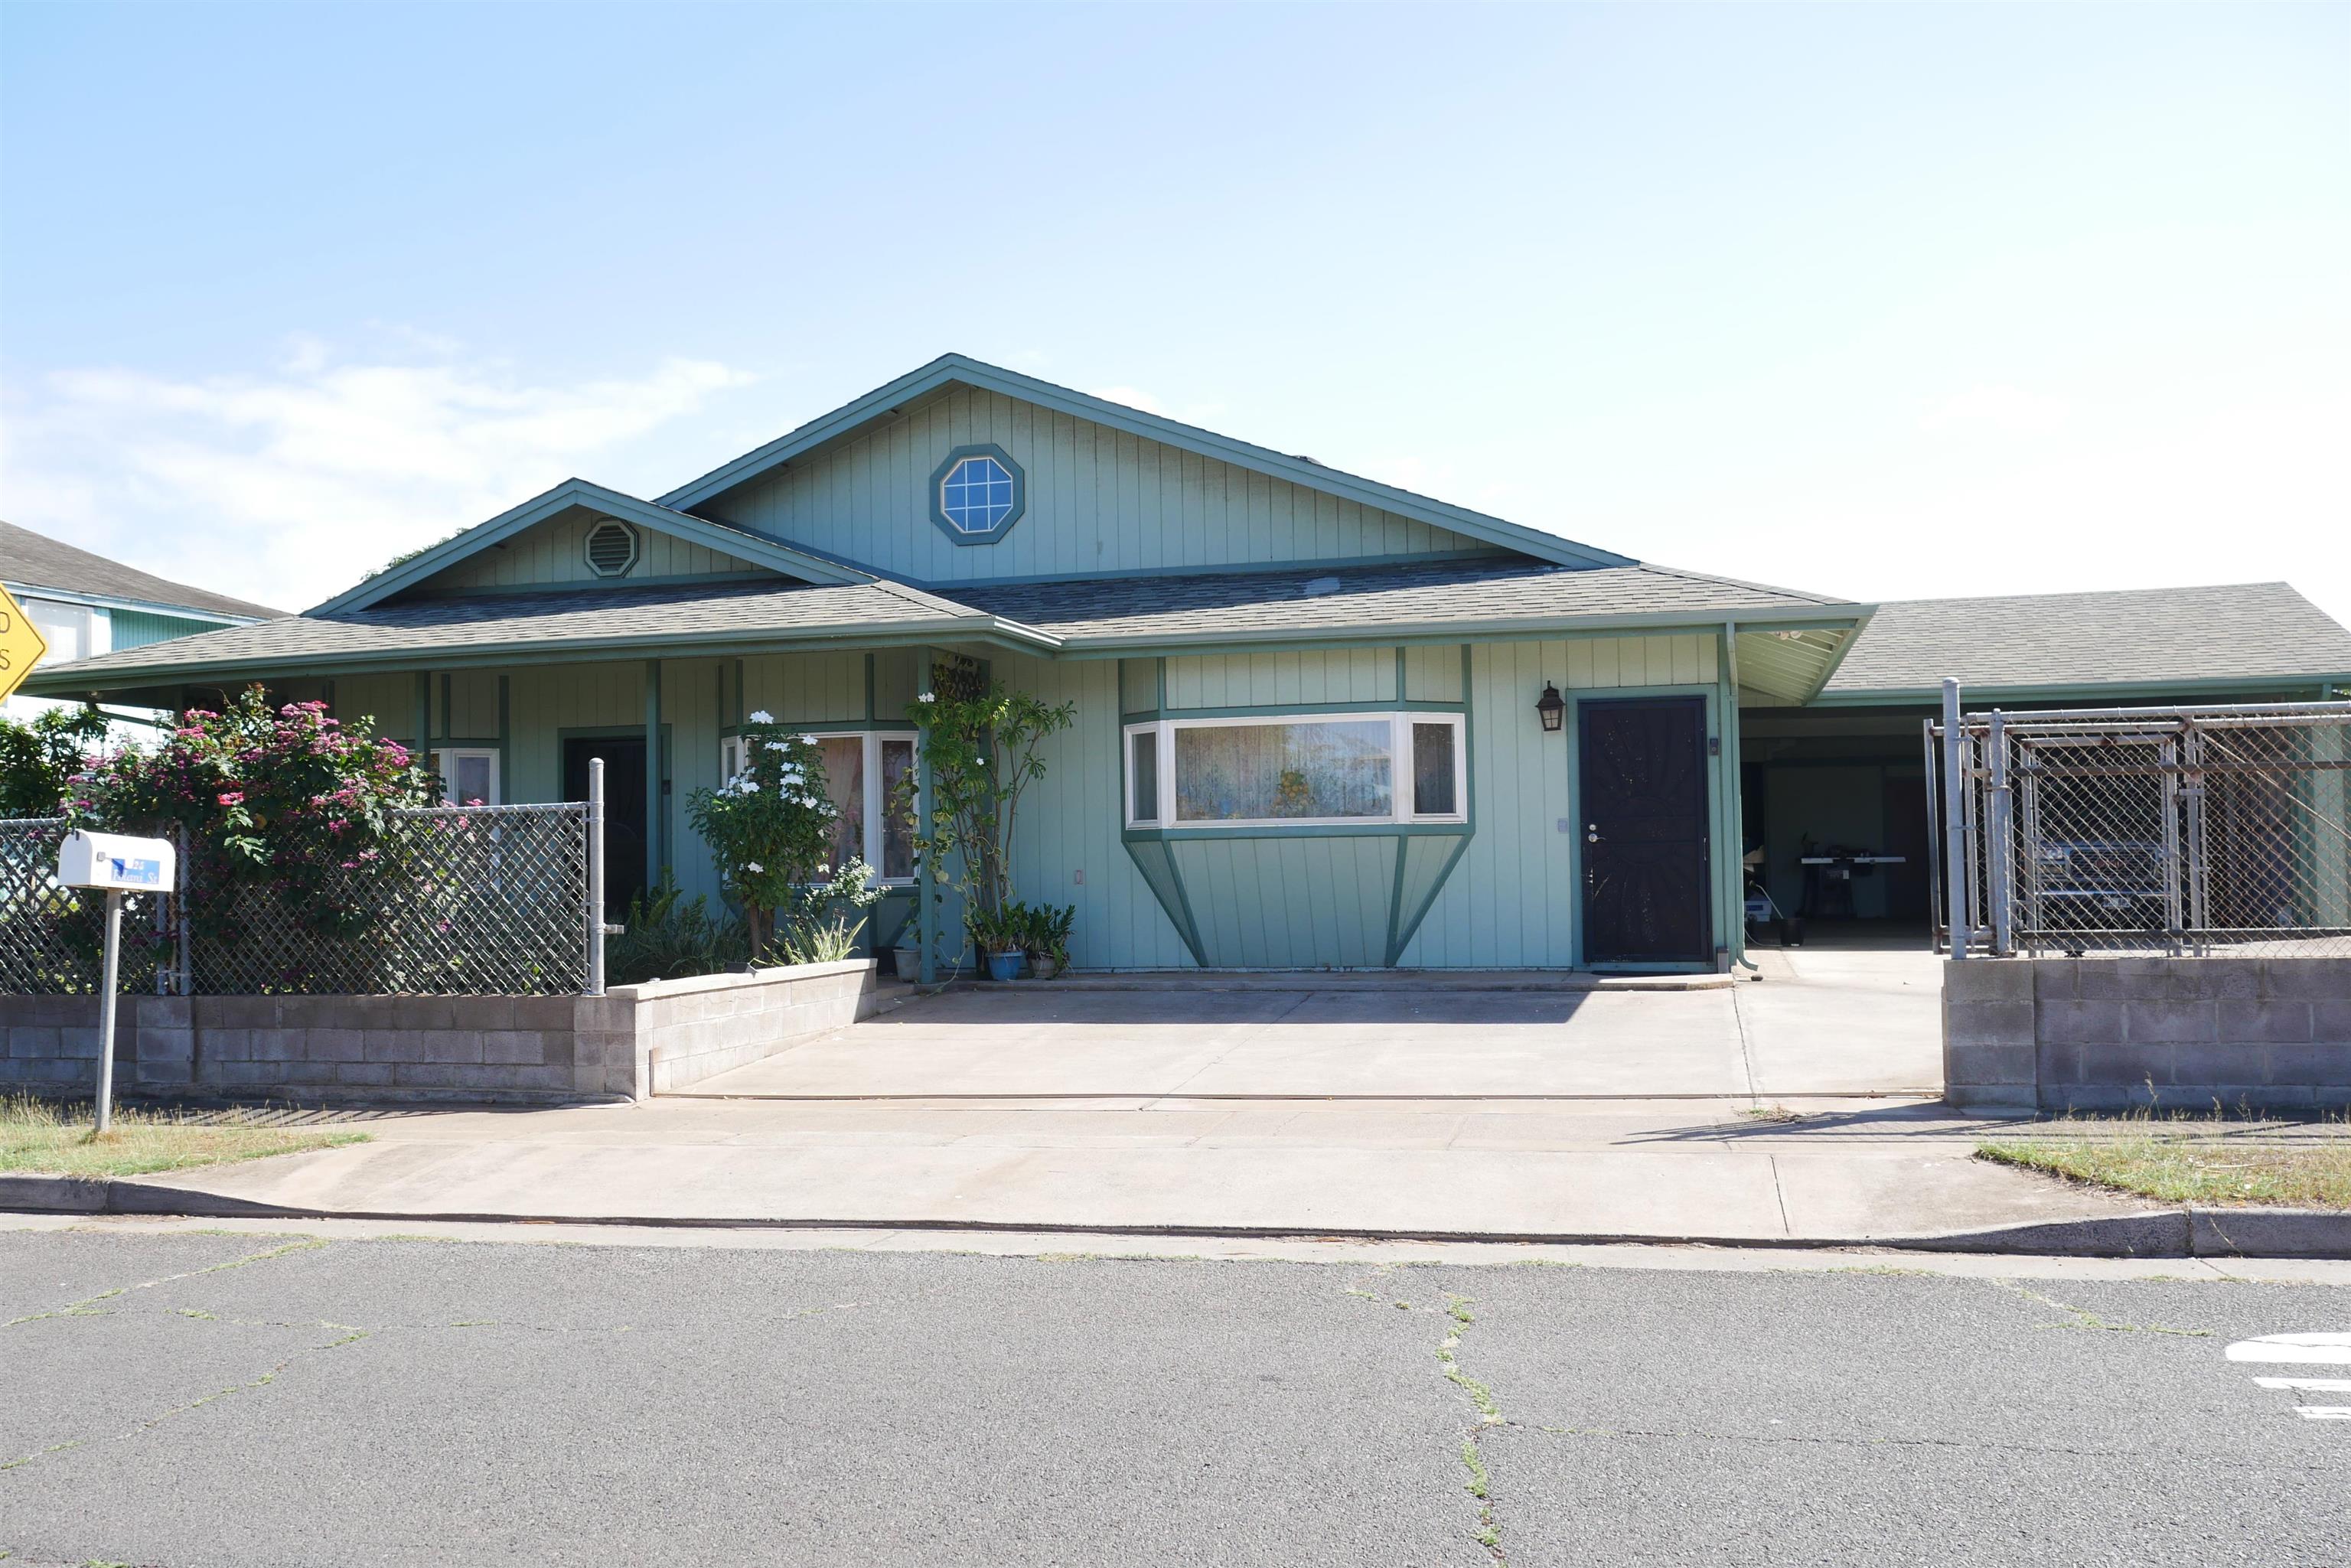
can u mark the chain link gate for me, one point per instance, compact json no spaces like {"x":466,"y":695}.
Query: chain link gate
{"x":471,"y":901}
{"x":2159,"y":831}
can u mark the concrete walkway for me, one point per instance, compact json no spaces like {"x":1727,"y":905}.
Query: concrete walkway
{"x":1817,"y":1024}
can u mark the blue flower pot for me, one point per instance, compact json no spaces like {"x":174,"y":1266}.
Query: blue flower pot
{"x":1006,"y":966}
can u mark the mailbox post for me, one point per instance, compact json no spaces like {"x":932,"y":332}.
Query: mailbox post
{"x":113,"y":864}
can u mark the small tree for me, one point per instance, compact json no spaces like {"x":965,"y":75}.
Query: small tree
{"x":981,"y":752}
{"x":39,"y":759}
{"x":769,"y":828}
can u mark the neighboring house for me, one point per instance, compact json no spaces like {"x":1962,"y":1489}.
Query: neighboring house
{"x":1320,"y":721}
{"x":85,"y":605}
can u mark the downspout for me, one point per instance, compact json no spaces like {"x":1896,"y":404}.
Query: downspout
{"x":1734,"y":770}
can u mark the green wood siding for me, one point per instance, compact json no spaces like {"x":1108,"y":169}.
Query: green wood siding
{"x":1512,"y":902}
{"x":1262,"y":680}
{"x":138,"y":628}
{"x":1287,"y":904}
{"x":554,"y":552}
{"x":1098,"y":500}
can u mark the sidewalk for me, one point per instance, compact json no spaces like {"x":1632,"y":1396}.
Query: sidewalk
{"x":1691,"y":1170}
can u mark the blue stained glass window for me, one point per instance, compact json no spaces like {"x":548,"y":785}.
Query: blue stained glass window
{"x":977,"y":494}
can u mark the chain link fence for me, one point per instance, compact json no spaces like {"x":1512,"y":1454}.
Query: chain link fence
{"x":2179,"y":831}
{"x":454,"y":901}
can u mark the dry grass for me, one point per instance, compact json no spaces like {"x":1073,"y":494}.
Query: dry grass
{"x":41,"y":1137}
{"x":2192,"y":1159}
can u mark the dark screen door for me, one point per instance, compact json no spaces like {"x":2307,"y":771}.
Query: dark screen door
{"x":1642,"y":784}
{"x":624,"y":810}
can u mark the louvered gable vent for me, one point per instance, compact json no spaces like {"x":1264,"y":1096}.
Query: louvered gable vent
{"x":612,"y":549}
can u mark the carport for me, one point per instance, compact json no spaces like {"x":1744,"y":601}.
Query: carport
{"x":1841,"y":781}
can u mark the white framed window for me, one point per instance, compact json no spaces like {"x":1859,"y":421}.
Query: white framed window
{"x":1297,"y":770}
{"x":861,"y":769}
{"x":469,"y":775}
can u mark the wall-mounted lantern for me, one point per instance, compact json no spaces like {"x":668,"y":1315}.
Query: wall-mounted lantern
{"x":1552,"y":708}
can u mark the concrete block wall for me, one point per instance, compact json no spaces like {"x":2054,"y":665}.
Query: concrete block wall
{"x":633,"y":1041}
{"x":2103,"y":1034}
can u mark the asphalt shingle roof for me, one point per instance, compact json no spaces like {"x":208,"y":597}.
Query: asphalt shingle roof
{"x":545,"y":619}
{"x":1251,"y":603}
{"x":36,"y":561}
{"x":2251,"y":631}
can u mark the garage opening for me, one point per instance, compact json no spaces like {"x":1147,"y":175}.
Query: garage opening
{"x":1836,"y":837}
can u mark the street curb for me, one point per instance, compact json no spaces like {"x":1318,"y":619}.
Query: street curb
{"x":2160,"y":1233}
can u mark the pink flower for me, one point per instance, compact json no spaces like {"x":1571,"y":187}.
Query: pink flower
{"x":232,"y":798}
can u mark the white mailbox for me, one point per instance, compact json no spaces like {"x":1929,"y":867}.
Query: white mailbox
{"x":116,"y":863}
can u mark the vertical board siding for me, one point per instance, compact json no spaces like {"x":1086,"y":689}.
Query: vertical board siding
{"x":1276,"y":680}
{"x":1512,"y":902}
{"x":1098,"y":500}
{"x":806,"y":689}
{"x":472,"y":706}
{"x":556,"y":551}
{"x":1071,"y":821}
{"x":1432,"y":675}
{"x":690,"y":711}
{"x":387,"y":702}
{"x":1289,"y":903}
{"x":141,"y":628}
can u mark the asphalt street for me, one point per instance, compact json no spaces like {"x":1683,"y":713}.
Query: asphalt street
{"x":197,"y":1399}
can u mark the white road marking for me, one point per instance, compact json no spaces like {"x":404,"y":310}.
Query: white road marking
{"x":2317,"y":1384}
{"x":2328,"y":1349}
{"x":2325,"y":1412}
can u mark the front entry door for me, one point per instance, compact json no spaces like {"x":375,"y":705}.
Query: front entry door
{"x":624,"y":810}
{"x":1643,"y":794}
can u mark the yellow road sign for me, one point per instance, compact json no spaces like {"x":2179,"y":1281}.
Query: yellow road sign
{"x":21,"y":645}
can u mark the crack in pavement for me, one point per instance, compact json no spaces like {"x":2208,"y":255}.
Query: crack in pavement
{"x":2085,"y":1319}
{"x":1458,"y":1320}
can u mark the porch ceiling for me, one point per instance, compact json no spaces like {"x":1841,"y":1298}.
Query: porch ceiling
{"x":1790,"y":666}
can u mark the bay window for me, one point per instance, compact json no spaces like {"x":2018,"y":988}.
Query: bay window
{"x":1320,"y":770}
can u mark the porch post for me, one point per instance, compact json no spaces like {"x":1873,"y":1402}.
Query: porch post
{"x":1734,"y":815}
{"x":656,"y":809}
{"x":424,"y":720}
{"x":925,"y":921}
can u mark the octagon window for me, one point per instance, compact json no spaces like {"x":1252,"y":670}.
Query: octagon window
{"x":977,"y":494}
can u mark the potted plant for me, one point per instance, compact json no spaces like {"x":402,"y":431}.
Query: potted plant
{"x":1047,"y":939}
{"x":1002,"y":936}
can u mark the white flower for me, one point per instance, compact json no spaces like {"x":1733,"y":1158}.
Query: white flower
{"x":753,"y":866}
{"x":808,"y":740}
{"x":926,"y":697}
{"x":777,"y":745}
{"x":824,"y":870}
{"x":762,"y":717}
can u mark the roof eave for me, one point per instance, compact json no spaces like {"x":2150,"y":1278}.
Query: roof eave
{"x":597,"y":497}
{"x":1911,"y":697}
{"x":948,"y":369}
{"x":1808,"y":616}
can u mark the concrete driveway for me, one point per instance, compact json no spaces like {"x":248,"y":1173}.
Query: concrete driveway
{"x":1817,"y":1024}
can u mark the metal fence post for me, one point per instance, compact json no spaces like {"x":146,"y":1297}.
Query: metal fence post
{"x":2000,"y":862}
{"x":109,"y":984}
{"x":1955,"y":834}
{"x":182,"y":882}
{"x":595,"y":876}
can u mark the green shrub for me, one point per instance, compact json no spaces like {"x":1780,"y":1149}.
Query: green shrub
{"x":670,"y":936}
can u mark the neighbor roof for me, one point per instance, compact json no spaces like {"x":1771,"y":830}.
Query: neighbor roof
{"x":2258,"y":634}
{"x":36,"y":560}
{"x":1488,"y":595}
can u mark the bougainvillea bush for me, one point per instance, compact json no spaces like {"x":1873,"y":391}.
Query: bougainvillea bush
{"x":770,"y":831}
{"x":285,"y":816}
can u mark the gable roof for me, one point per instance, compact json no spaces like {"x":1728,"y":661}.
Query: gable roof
{"x":2185,"y":639}
{"x":1489,"y":597}
{"x":36,"y":560}
{"x":755,"y":548}
{"x":949,"y":370}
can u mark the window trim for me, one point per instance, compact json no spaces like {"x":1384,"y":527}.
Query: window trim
{"x":1399,"y":721}
{"x":731,"y":749}
{"x":445,"y":758}
{"x":948,"y":464}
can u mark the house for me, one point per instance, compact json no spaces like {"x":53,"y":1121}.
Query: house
{"x":85,"y":605}
{"x":1319,"y":720}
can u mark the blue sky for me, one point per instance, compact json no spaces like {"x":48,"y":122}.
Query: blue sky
{"x":1887,"y":301}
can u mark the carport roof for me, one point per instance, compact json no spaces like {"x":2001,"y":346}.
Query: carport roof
{"x":2251,"y":636}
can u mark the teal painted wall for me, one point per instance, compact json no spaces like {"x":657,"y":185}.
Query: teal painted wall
{"x":1098,"y":501}
{"x":1508,"y":901}
{"x":137,"y":628}
{"x":555,"y":551}
{"x":1512,"y":901}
